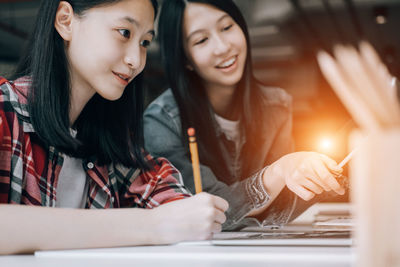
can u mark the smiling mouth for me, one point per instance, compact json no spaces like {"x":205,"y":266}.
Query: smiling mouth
{"x":228,"y":63}
{"x":123,"y":77}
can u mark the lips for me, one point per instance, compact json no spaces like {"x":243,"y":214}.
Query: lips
{"x":123,"y":78}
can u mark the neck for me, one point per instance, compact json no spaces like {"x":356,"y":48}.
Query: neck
{"x":78,"y":100}
{"x":221,"y":99}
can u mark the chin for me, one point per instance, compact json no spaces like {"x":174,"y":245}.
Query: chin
{"x":112,"y":97}
{"x":233,"y":82}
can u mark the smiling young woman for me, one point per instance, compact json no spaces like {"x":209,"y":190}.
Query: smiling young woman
{"x":71,"y":140}
{"x":243,"y":128}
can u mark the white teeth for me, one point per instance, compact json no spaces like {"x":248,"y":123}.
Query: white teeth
{"x":228,"y":63}
{"x":122,"y":77}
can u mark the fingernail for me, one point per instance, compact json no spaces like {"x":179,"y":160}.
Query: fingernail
{"x":337,"y":168}
{"x":337,"y":171}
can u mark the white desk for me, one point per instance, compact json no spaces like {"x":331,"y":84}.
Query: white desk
{"x":192,"y":256}
{"x":198,"y":254}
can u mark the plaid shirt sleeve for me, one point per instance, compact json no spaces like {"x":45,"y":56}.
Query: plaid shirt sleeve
{"x":7,"y":117}
{"x":2,"y":126}
{"x":3,"y":119}
{"x":159,"y":185}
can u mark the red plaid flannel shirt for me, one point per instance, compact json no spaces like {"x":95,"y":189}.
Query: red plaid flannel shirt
{"x":29,"y":174}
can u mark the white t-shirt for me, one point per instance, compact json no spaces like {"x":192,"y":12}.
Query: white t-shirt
{"x":230,"y":129}
{"x":72,"y":186}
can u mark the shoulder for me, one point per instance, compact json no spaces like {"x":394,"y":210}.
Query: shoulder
{"x":9,"y":96}
{"x":275,"y":96}
{"x":6,"y":88}
{"x":13,"y":97}
{"x":165,"y":103}
{"x":17,"y":89}
{"x":9,"y":121}
{"x":15,"y":92}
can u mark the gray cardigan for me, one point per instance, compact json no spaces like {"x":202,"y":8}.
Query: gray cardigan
{"x":162,"y":132}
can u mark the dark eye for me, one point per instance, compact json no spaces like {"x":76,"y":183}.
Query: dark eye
{"x":145,"y":43}
{"x":125,"y":33}
{"x":227,"y":27}
{"x":201,"y":41}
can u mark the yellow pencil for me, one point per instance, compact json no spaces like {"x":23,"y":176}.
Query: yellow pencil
{"x":195,"y":160}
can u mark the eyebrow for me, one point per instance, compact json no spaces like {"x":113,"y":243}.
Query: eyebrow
{"x":136,"y":23}
{"x":200,"y":30}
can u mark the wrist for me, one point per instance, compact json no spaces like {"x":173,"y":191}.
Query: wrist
{"x":273,"y":180}
{"x":149,"y":233}
{"x":156,"y":234}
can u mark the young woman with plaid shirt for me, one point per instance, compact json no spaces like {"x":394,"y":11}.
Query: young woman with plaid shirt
{"x":71,"y":139}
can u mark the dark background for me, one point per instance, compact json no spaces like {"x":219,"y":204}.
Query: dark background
{"x":285,"y":36}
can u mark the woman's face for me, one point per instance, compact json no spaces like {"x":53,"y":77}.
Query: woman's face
{"x":214,"y":45}
{"x":107,"y":49}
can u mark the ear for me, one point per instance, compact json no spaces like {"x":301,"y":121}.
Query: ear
{"x":63,"y":20}
{"x":189,"y":67}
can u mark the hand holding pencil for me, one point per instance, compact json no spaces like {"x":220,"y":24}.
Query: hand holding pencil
{"x":305,"y":173}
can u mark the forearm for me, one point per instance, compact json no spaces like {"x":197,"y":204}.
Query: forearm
{"x":24,"y":229}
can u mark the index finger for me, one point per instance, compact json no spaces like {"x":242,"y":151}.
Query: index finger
{"x":331,"y":164}
{"x":323,"y":173}
{"x":221,"y":203}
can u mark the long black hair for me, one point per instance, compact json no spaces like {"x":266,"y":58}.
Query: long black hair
{"x":110,"y":131}
{"x":190,"y":95}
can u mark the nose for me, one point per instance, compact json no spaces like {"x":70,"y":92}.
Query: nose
{"x":134,"y":57}
{"x":222,"y":46}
